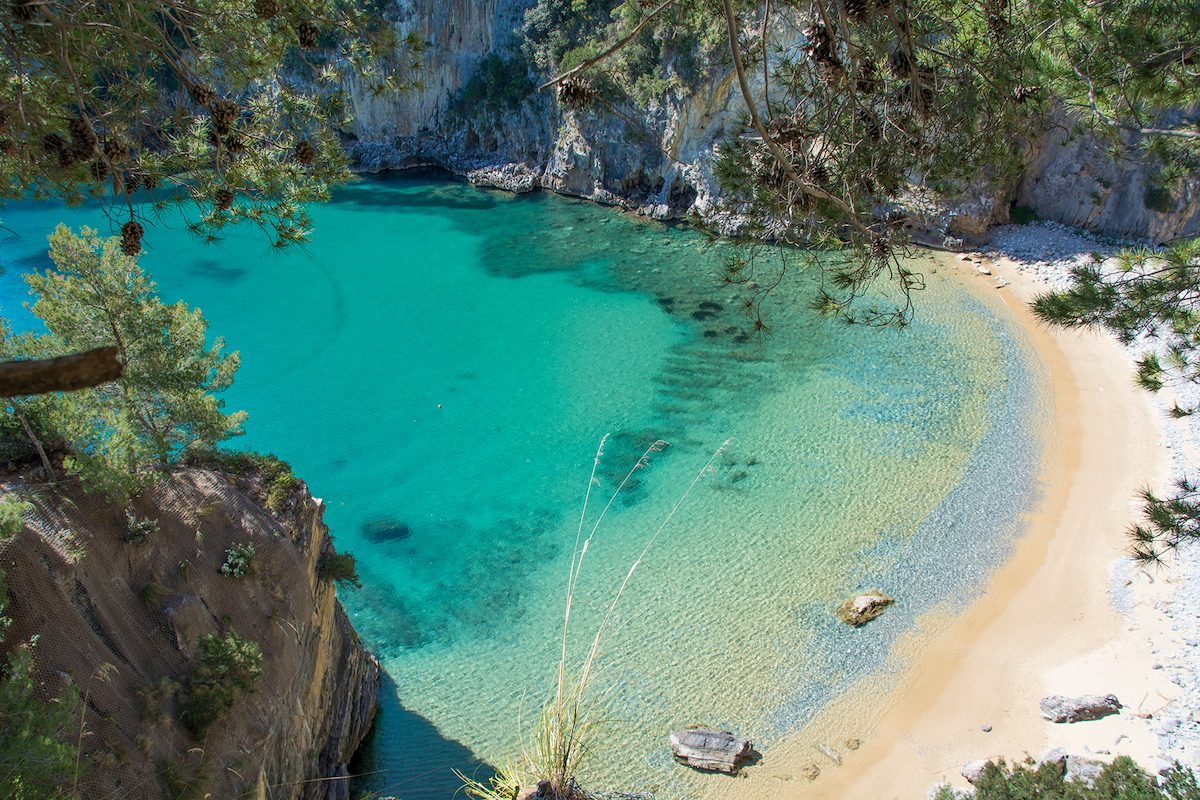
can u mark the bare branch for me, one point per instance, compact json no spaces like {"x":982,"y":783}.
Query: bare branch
{"x":62,"y":374}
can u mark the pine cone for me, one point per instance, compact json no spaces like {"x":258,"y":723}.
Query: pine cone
{"x":817,"y":174}
{"x":150,"y":181}
{"x":223,"y":199}
{"x":898,"y":63}
{"x":304,"y":152}
{"x":224,"y":113}
{"x":132,"y":181}
{"x":307,"y":33}
{"x":859,"y":11}
{"x":99,"y":170}
{"x":83,"y":138}
{"x":820,"y":51}
{"x":266,"y":9}
{"x":1023,"y":93}
{"x":234,"y":145}
{"x":880,"y":248}
{"x":53,"y":143}
{"x":576,"y":93}
{"x":131,"y":238}
{"x":203,"y":95}
{"x":116,"y":151}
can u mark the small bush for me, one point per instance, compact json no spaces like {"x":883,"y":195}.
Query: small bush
{"x":239,"y":560}
{"x":340,"y":568}
{"x":1023,"y":215}
{"x":153,"y":594}
{"x":1121,"y":780}
{"x":229,"y":665}
{"x":1158,"y":198}
{"x":139,"y":529}
{"x":12,"y":516}
{"x":280,"y":489}
{"x":277,"y":474}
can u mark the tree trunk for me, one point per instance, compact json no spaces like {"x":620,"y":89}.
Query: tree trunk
{"x":41,"y":451}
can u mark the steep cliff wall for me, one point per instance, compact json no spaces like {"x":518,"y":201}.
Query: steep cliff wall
{"x":658,"y":160}
{"x":94,"y":599}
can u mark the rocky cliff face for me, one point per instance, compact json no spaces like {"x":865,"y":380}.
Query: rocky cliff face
{"x":121,"y":620}
{"x":658,"y":160}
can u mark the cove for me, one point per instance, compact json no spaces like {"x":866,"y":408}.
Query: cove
{"x":439,"y":365}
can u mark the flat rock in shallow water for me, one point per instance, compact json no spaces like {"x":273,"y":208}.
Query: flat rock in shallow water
{"x":1058,"y":708}
{"x":708,"y":749}
{"x":862,"y":608}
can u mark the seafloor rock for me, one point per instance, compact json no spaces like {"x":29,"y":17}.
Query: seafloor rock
{"x":708,"y":749}
{"x":1058,"y":708}
{"x":862,"y":608}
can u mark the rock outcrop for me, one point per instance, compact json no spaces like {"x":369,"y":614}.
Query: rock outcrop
{"x":121,"y":621}
{"x":712,"y":750}
{"x":658,"y":159}
{"x":1058,"y":708}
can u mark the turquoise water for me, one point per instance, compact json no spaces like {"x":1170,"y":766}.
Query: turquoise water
{"x":439,"y":365}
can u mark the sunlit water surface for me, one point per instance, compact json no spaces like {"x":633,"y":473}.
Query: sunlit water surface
{"x":439,"y":365}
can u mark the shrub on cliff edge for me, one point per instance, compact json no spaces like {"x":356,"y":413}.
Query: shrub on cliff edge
{"x":229,"y":665}
{"x":1121,"y":780}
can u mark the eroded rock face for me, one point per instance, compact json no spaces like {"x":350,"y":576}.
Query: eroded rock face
{"x":1058,"y":708}
{"x":708,"y":749}
{"x":659,"y":160}
{"x":141,"y":608}
{"x":1072,"y":179}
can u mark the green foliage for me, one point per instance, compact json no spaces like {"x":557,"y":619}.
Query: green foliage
{"x":1141,"y":294}
{"x":229,"y":665}
{"x":239,"y":560}
{"x":1121,"y":780}
{"x":340,"y":568}
{"x":1023,"y":215}
{"x":12,"y":515}
{"x":139,"y":529}
{"x":152,"y":595}
{"x":36,"y":761}
{"x":671,"y":55}
{"x":1158,"y":198}
{"x":192,"y":98}
{"x":163,"y":406}
{"x":499,"y":83}
{"x":280,"y":488}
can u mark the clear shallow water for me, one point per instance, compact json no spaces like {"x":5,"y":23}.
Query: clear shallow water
{"x":439,"y":365}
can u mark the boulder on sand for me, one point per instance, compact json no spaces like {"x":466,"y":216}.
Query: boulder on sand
{"x":708,"y":749}
{"x":1058,"y":708}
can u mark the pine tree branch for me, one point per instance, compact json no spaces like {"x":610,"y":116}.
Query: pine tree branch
{"x":614,"y":47}
{"x":62,"y":374}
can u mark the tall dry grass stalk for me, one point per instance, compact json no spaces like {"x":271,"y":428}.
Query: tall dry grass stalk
{"x":567,"y":729}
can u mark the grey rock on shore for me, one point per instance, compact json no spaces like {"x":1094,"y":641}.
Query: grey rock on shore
{"x":1058,"y":708}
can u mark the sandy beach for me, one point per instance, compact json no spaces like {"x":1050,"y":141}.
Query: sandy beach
{"x":967,"y":685}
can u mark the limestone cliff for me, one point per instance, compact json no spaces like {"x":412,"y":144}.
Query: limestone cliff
{"x":121,"y":620}
{"x":658,"y":159}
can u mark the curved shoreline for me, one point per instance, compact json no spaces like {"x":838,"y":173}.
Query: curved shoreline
{"x":1043,"y":623}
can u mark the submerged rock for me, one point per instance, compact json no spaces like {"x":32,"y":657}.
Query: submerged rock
{"x":386,"y":529}
{"x":1058,"y":708}
{"x":862,"y":608}
{"x":708,"y":749}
